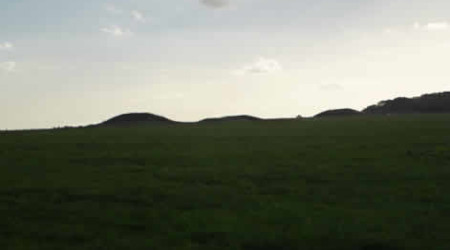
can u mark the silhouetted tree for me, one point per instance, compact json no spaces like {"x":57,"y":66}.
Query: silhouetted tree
{"x":429,"y":103}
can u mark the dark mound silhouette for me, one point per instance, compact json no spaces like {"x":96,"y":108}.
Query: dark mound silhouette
{"x":134,"y":119}
{"x":429,"y":103}
{"x":232,"y":118}
{"x":338,"y":112}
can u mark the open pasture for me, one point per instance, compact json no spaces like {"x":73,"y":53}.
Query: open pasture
{"x":357,"y":183}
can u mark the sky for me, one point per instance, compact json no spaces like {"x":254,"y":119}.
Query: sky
{"x":71,"y":63}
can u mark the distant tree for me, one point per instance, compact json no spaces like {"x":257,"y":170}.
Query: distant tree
{"x":429,"y":103}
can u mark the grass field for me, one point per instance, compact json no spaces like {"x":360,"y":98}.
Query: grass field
{"x":360,"y":183}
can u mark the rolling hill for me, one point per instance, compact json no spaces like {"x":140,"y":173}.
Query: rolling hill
{"x":135,"y":118}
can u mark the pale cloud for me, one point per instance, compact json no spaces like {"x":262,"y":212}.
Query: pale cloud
{"x":215,"y":3}
{"x":138,"y":16}
{"x":113,"y":9}
{"x":6,"y":46}
{"x":261,"y":66}
{"x":50,"y":67}
{"x":330,"y":87}
{"x":116,"y":31}
{"x":388,"y":31}
{"x":171,"y":96}
{"x":433,"y":26}
{"x":392,"y":31}
{"x":8,"y":66}
{"x":438,"y":26}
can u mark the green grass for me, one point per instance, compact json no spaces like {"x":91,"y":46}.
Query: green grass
{"x":362,"y":183}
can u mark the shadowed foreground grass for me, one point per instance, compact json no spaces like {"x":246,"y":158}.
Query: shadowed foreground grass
{"x":370,"y":183}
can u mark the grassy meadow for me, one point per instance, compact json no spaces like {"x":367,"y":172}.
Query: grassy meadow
{"x":356,"y":183}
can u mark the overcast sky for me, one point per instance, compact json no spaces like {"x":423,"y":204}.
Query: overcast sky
{"x":82,"y":62}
